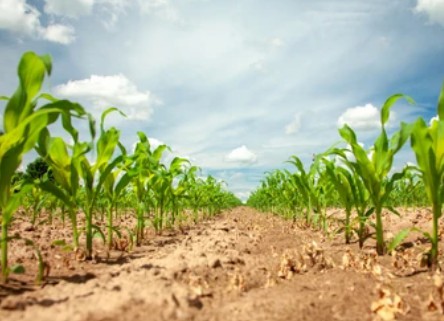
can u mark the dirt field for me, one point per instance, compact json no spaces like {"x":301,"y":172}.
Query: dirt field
{"x":243,"y":265}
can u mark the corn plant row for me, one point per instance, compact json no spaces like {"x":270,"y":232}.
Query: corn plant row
{"x":98,"y":177}
{"x":363,"y":182}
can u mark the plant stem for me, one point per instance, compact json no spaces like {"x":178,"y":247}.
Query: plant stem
{"x":75,"y":233}
{"x":347,"y":225}
{"x":140,"y":225}
{"x":89,"y":234}
{"x":435,"y":236}
{"x":4,"y":251}
{"x":110,"y":226}
{"x":380,"y":246}
{"x":361,"y":232}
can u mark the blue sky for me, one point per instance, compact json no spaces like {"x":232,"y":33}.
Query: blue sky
{"x":237,"y":86}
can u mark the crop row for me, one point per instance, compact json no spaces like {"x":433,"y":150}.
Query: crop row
{"x":363,"y":181}
{"x":98,"y":177}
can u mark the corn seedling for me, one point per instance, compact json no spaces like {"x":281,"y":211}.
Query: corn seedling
{"x":374,"y":170}
{"x":23,"y":125}
{"x":428,"y":145}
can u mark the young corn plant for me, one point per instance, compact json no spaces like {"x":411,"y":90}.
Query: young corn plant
{"x":374,"y":171}
{"x":177,"y":189}
{"x":95,"y":174}
{"x":145,"y":163}
{"x":314,"y":188}
{"x":343,"y":182}
{"x":114,"y":185}
{"x":289,"y":197}
{"x":193,"y":193}
{"x":303,"y":184}
{"x":23,"y":123}
{"x":66,"y":184}
{"x":428,"y":144}
{"x":352,"y":192}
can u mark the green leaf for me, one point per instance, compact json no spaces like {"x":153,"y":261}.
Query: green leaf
{"x":47,"y":61}
{"x":14,"y":202}
{"x":117,"y":231}
{"x":106,"y":145}
{"x":425,"y":234}
{"x":17,"y":269}
{"x":105,"y":113}
{"x":29,"y":242}
{"x":123,"y":182}
{"x":397,"y":240}
{"x":48,"y":97}
{"x":57,"y":192}
{"x":98,"y":233}
{"x":441,"y":104}
{"x":369,"y":212}
{"x":176,"y":165}
{"x":158,"y":152}
{"x":58,"y":243}
{"x":437,"y":130}
{"x":31,"y":72}
{"x":385,"y":111}
{"x":400,"y":137}
{"x":107,"y":171}
{"x":348,"y":134}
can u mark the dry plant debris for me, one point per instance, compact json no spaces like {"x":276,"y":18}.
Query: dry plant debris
{"x":435,"y":303}
{"x":388,"y":305}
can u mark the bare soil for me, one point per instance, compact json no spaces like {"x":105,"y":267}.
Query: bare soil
{"x":241,"y":265}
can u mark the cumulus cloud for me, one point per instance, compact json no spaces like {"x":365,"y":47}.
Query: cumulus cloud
{"x":434,"y":9}
{"x":361,"y":117}
{"x":241,"y":155}
{"x":116,"y":90}
{"x":59,"y":33}
{"x":294,"y":125}
{"x":21,"y":18}
{"x":72,"y":8}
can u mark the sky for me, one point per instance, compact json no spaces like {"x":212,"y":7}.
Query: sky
{"x":236,"y":86}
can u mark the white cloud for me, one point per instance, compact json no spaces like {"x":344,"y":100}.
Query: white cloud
{"x":154,"y":143}
{"x":161,"y":8}
{"x":112,"y":9}
{"x":59,"y":33}
{"x":241,"y":155}
{"x":294,"y":125}
{"x":106,"y":91}
{"x":243,"y":196}
{"x":21,"y":18}
{"x":72,"y":8}
{"x":276,"y":42}
{"x":361,"y":117}
{"x":433,"y":8}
